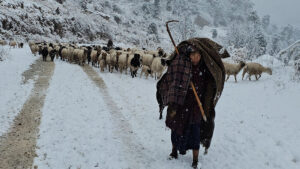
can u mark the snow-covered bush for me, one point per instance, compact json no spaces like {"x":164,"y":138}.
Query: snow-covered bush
{"x":60,"y":1}
{"x":290,"y":54}
{"x":297,"y":69}
{"x":238,"y":54}
{"x":3,"y":53}
{"x":133,"y":22}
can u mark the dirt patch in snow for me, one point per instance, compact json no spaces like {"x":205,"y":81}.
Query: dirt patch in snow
{"x":17,"y":147}
{"x":123,"y":127}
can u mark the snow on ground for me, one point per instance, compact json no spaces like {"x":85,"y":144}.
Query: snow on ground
{"x":13,"y":93}
{"x":136,"y":97}
{"x":256,"y":122}
{"x":76,"y":128}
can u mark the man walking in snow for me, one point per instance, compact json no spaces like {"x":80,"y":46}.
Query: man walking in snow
{"x":199,"y":62}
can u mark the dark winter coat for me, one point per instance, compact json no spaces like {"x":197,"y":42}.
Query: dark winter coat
{"x":173,"y":86}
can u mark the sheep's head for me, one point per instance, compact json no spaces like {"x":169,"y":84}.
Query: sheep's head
{"x":104,"y":55}
{"x":85,"y":52}
{"x":160,"y":52}
{"x":149,"y":71}
{"x":98,"y":48}
{"x":137,"y":56}
{"x":119,"y":53}
{"x":242,"y":64}
{"x":163,"y":62}
{"x":269,"y":71}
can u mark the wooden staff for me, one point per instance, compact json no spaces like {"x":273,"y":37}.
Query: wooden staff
{"x":191,"y":83}
{"x":199,"y":102}
{"x":168,"y":30}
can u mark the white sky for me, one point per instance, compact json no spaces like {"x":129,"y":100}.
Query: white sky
{"x":282,"y":12}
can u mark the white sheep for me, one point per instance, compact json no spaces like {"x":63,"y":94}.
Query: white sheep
{"x":255,"y":69}
{"x":113,"y":59}
{"x":64,"y":53}
{"x":147,"y":59}
{"x":30,"y":43}
{"x":158,"y":52}
{"x":157,"y":67}
{"x":34,"y":49}
{"x":57,"y":47}
{"x":13,"y":44}
{"x":102,"y":60}
{"x":68,"y":54}
{"x":123,"y":61}
{"x":3,"y":42}
{"x":80,"y":56}
{"x":109,"y":62}
{"x":49,"y":49}
{"x":233,"y":69}
{"x":152,"y":52}
{"x":95,"y":57}
{"x":146,"y":70}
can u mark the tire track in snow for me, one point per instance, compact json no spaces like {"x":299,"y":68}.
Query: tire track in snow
{"x":17,"y":147}
{"x":123,"y":128}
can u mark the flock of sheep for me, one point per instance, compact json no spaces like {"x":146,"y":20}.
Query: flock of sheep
{"x":12,"y":44}
{"x":150,"y":62}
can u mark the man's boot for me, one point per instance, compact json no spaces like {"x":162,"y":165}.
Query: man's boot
{"x":174,"y":154}
{"x":195,"y":164}
{"x":195,"y":158}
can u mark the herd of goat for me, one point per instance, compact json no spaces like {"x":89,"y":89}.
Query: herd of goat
{"x":151,"y":62}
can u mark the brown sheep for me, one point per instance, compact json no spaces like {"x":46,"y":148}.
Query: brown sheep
{"x":80,"y":56}
{"x":255,"y":69}
{"x":34,"y":49}
{"x":2,"y":42}
{"x":102,"y":61}
{"x":95,"y":57}
{"x":146,"y":70}
{"x":13,"y":44}
{"x":122,"y":62}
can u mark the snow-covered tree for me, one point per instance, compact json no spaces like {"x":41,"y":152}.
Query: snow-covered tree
{"x":156,"y":9}
{"x":236,"y":36}
{"x":266,"y":21}
{"x":274,"y":45}
{"x":297,"y":69}
{"x":214,"y":33}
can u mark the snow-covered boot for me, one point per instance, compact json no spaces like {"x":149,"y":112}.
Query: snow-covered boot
{"x":174,"y":154}
{"x":195,"y":164}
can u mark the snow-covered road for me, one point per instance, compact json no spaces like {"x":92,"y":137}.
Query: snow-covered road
{"x":107,"y":120}
{"x":13,"y":93}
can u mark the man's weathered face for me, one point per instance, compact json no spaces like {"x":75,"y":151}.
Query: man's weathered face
{"x":195,"y":58}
